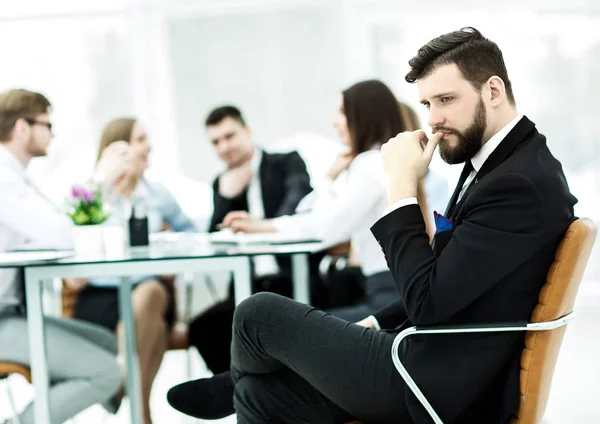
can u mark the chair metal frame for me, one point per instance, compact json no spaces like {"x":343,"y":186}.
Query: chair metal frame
{"x":484,"y":328}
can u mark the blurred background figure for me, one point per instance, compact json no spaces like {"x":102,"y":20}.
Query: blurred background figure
{"x":153,"y":295}
{"x":257,"y":183}
{"x":81,"y":357}
{"x":367,"y":116}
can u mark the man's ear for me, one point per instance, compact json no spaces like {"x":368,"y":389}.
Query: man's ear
{"x":20,"y":129}
{"x":496,"y":90}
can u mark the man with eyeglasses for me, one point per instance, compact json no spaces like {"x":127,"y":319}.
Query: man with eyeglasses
{"x":81,"y":357}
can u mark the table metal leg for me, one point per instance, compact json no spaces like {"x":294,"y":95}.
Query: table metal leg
{"x":134,"y":388}
{"x":301,"y":277}
{"x":242,"y":279}
{"x":37,"y":347}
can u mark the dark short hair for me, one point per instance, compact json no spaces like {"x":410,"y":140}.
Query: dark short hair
{"x":222,"y":112}
{"x":477,"y":58}
{"x":372,"y":113}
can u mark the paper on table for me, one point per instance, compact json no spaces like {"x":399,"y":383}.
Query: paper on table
{"x":34,"y":255}
{"x":226,"y":236}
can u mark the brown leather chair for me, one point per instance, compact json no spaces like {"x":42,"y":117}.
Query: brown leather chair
{"x":556,"y":299}
{"x":548,"y":324}
{"x":8,"y":368}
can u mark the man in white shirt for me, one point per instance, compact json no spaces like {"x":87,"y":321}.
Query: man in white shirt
{"x":81,"y":357}
{"x":489,"y":259}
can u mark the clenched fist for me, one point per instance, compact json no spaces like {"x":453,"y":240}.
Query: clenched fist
{"x":406,"y":159}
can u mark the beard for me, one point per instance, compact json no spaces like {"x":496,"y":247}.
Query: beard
{"x":469,"y":141}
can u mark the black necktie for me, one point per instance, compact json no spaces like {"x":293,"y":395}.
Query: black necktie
{"x":461,"y":182}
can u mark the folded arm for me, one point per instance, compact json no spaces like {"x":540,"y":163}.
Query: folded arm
{"x":503,"y":227}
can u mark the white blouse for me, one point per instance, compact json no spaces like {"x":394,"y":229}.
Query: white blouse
{"x":339,"y":214}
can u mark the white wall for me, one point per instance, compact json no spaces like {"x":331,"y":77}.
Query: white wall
{"x":284,"y":64}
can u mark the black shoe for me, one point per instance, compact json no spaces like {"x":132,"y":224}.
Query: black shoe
{"x":205,"y":398}
{"x":113,"y":404}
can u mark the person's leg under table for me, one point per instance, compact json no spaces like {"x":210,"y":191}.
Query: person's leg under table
{"x":210,"y":333}
{"x":81,"y":363}
{"x":150,"y":301}
{"x":294,"y":363}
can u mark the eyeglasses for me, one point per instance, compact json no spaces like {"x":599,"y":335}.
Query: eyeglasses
{"x":34,"y":122}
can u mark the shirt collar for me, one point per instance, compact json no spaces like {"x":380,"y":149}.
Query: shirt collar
{"x":486,"y":150}
{"x":256,"y":160}
{"x":8,"y":160}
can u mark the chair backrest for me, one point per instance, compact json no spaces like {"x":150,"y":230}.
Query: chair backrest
{"x":555,"y":300}
{"x":8,"y":368}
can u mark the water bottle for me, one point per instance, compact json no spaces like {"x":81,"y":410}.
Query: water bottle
{"x":138,"y":225}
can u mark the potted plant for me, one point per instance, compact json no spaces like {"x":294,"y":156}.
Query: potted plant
{"x":88,"y":212}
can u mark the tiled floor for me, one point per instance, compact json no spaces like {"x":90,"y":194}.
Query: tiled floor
{"x":574,"y":397}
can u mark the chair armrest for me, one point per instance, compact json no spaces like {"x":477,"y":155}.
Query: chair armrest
{"x":471,"y":328}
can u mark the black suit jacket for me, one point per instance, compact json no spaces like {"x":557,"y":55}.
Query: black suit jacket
{"x":489,"y":268}
{"x":284,"y":182}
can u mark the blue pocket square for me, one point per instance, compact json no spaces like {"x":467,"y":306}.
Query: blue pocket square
{"x":441,"y":223}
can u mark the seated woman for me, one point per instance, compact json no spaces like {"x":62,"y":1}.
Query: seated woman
{"x":368,"y":115}
{"x":153,"y":297}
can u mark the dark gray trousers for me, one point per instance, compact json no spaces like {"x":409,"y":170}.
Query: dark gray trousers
{"x":292,"y":363}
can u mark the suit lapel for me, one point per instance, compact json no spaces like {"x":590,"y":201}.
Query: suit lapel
{"x":507,"y":146}
{"x":514,"y":138}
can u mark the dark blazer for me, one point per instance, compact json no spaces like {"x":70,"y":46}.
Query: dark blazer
{"x":284,"y":182}
{"x":488,"y":268}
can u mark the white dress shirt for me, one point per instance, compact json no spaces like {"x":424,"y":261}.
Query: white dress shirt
{"x":27,"y":220}
{"x":347,"y":212}
{"x":477,"y":161}
{"x":263,"y":264}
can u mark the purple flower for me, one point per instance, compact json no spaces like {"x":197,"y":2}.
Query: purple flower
{"x":75,"y":192}
{"x":83,"y":194}
{"x":87,"y":195}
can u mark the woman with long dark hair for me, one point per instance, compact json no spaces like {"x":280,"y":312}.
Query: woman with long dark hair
{"x":368,"y":116}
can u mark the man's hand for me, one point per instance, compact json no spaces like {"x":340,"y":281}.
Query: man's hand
{"x":341,"y":162}
{"x":234,"y":216}
{"x":242,"y":222}
{"x":406,"y":159}
{"x":235,"y":180}
{"x":367,"y":322}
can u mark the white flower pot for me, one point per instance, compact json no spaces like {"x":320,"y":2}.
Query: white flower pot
{"x":88,"y":240}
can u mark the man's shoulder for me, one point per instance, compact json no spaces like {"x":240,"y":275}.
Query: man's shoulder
{"x":534,"y":169}
{"x":281,"y":156}
{"x":8,"y":175}
{"x":281,"y":159}
{"x":534,"y":161}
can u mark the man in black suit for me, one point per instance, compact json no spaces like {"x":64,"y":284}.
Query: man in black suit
{"x":292,"y":363}
{"x":282,"y":179}
{"x":262,"y":185}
